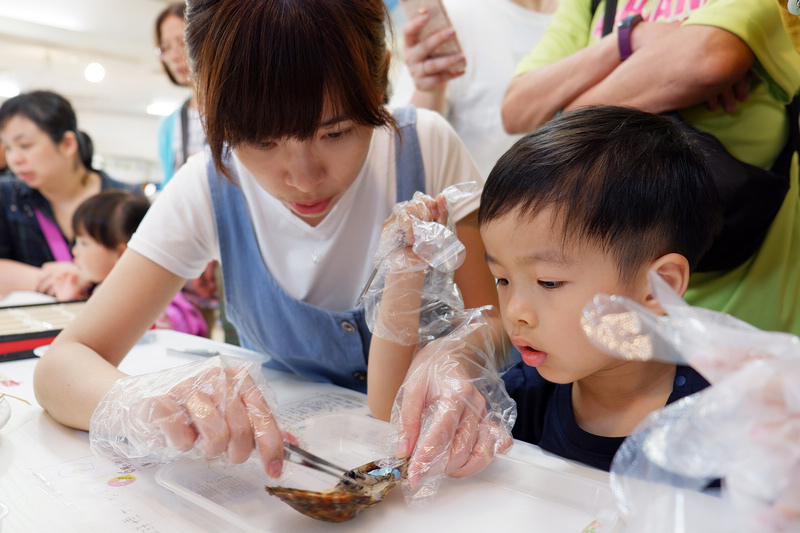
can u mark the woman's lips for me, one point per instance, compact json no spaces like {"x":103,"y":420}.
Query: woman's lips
{"x":313,"y":208}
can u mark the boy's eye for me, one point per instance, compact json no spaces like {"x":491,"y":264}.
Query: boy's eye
{"x":501,"y":282}
{"x":551,"y":285}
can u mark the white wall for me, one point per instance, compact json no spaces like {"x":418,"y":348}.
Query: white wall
{"x":125,"y":145}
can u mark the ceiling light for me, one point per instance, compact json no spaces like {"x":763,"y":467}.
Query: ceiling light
{"x":95,"y":72}
{"x":8,"y":89}
{"x":161,"y":109}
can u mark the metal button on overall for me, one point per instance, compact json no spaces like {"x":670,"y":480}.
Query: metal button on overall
{"x":348,"y":327}
{"x":360,"y":376}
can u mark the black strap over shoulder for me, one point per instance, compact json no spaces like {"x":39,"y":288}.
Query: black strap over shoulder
{"x":610,"y":15}
{"x":595,"y":4}
{"x":185,"y":130}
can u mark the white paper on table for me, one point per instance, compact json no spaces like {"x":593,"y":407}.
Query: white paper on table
{"x":108,"y":494}
{"x":292,"y":415}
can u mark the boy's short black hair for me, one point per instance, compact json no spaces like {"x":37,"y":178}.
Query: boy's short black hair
{"x":627,"y":180}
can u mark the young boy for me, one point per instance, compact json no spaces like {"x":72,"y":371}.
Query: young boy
{"x":587,"y":204}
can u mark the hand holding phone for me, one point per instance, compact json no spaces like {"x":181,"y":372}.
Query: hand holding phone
{"x":438,"y":20}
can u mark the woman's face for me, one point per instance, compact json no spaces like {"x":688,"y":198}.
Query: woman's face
{"x":310,"y":176}
{"x":31,"y":154}
{"x":173,"y":48}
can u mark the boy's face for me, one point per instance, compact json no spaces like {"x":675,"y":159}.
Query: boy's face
{"x":543,"y":288}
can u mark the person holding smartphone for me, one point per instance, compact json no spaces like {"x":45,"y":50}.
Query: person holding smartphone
{"x":487,"y":38}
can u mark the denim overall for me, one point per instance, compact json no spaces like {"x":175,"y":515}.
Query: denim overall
{"x":324,"y":346}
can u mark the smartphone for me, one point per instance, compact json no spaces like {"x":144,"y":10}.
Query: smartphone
{"x":438,"y":21}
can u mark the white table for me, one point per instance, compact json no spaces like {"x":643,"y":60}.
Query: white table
{"x":17,"y":298}
{"x":50,"y":481}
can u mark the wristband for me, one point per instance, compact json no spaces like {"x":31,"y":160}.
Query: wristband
{"x":624,"y":31}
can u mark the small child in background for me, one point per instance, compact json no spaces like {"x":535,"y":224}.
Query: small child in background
{"x":103,"y":225}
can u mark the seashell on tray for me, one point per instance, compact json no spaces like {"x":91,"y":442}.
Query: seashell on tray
{"x":373,"y":481}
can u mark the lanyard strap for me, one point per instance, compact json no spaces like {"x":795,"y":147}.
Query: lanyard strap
{"x":55,"y":240}
{"x":610,"y":15}
{"x":185,"y":130}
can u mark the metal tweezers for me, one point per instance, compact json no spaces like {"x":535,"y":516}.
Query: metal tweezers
{"x":375,"y":270}
{"x":348,"y":477}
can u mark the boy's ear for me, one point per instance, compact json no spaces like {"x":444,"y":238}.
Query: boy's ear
{"x":674,"y":269}
{"x":121,"y":247}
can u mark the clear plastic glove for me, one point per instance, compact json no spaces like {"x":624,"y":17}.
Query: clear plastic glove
{"x":216,"y":407}
{"x":416,"y":257}
{"x":744,"y":429}
{"x":452,"y":414}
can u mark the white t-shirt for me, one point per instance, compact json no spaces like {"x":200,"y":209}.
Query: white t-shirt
{"x":494,"y":36}
{"x":326,"y":265}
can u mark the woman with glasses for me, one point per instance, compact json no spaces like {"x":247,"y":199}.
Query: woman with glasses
{"x":181,"y":133}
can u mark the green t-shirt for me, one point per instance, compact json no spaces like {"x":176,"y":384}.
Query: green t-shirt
{"x":765,"y":290}
{"x":757,"y":131}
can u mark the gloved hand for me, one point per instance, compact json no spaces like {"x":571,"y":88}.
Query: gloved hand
{"x":416,"y":257}
{"x":216,"y":407}
{"x":744,"y":429}
{"x":452,"y":414}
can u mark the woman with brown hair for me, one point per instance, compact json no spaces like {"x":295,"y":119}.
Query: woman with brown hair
{"x":180,"y":134}
{"x":305,"y":164}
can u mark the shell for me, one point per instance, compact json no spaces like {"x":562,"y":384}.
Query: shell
{"x":343,"y":502}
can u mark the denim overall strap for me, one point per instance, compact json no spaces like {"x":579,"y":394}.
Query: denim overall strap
{"x":321,"y":345}
{"x":408,"y":157}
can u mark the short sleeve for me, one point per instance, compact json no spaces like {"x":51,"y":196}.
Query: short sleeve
{"x":568,"y":32}
{"x":758,"y":24}
{"x":179,"y":231}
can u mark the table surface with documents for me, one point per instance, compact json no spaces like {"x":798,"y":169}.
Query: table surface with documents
{"x":50,"y":481}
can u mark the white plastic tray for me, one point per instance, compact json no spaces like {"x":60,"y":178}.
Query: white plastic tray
{"x":508,"y":493}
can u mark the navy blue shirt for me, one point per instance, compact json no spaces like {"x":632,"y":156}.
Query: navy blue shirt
{"x":21,"y":238}
{"x":545,"y":416}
